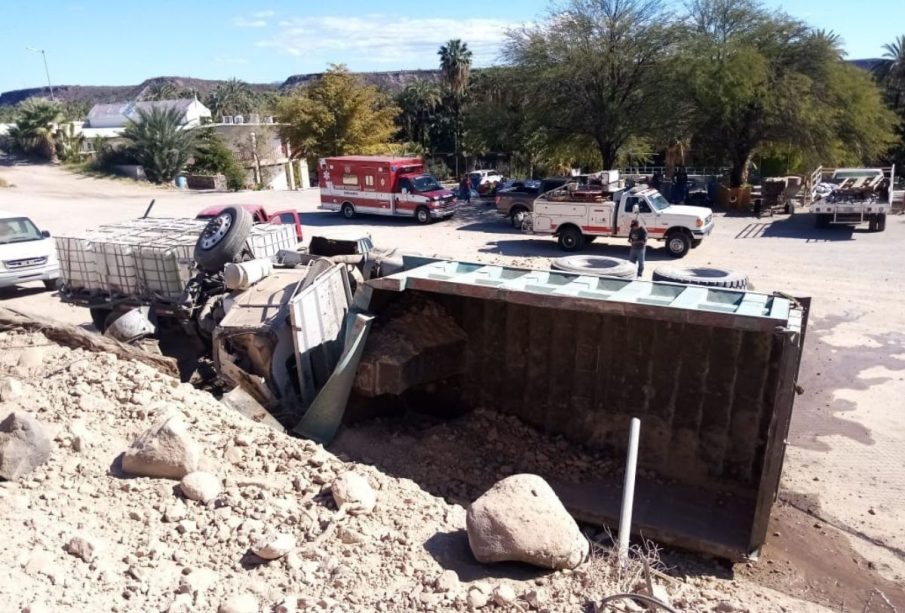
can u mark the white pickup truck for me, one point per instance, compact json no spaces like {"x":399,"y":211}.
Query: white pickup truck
{"x":577,"y":216}
{"x":851,"y":196}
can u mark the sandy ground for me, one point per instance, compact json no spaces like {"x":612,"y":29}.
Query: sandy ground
{"x":845,"y":462}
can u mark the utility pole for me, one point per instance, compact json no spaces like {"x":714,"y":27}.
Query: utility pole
{"x":46,"y":70}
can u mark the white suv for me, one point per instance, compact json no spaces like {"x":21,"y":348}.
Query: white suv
{"x":26,"y":253}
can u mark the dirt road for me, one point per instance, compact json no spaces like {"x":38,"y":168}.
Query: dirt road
{"x":845,"y":455}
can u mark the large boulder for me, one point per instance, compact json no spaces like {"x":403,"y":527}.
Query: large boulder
{"x":164,"y":450}
{"x":23,"y":445}
{"x":520,"y":519}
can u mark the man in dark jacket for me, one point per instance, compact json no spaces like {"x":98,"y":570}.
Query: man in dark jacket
{"x":637,"y":238}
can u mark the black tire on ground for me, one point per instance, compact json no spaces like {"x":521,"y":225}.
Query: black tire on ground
{"x":423,"y":214}
{"x":223,"y":239}
{"x":696,"y":242}
{"x":347,"y":211}
{"x":599,"y":265}
{"x":99,"y":317}
{"x":517,"y":217}
{"x":881,"y":222}
{"x":571,"y":239}
{"x":708,"y":276}
{"x":871,"y":223}
{"x":678,"y":243}
{"x":53,"y":284}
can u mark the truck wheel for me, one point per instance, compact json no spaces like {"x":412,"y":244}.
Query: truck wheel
{"x":881,"y":222}
{"x":708,"y":276}
{"x":871,"y":223}
{"x":223,"y":238}
{"x":99,"y":317}
{"x":571,"y":239}
{"x":53,"y":284}
{"x":423,"y":214}
{"x":348,"y":211}
{"x":518,"y":218}
{"x":599,"y":265}
{"x":678,"y":244}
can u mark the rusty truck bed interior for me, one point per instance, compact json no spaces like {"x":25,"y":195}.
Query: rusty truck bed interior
{"x":710,"y":373}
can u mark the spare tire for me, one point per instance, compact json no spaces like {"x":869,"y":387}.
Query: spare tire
{"x":599,"y":265}
{"x":223,"y":238}
{"x":709,"y":276}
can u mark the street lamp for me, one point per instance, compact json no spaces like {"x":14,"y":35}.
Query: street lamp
{"x":46,"y":71}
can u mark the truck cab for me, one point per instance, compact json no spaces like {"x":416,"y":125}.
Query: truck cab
{"x":259,"y":215}
{"x":577,"y":215}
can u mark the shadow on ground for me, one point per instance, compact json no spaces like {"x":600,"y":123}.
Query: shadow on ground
{"x":800,"y":226}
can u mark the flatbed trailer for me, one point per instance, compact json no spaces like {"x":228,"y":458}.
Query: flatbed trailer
{"x":851,"y":196}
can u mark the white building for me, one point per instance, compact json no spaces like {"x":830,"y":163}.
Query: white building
{"x":117,"y":115}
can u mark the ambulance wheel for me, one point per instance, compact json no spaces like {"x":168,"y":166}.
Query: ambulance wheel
{"x":348,"y":211}
{"x":423,"y":214}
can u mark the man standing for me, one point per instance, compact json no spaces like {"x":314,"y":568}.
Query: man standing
{"x":637,"y":238}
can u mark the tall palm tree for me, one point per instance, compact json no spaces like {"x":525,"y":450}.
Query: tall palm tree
{"x":890,"y":72}
{"x":69,"y":143}
{"x":419,"y":100}
{"x":33,"y":132}
{"x":455,"y":66}
{"x":159,"y":143}
{"x":231,"y":98}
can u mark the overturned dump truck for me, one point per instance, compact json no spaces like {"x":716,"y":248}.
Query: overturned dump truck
{"x":711,"y":373}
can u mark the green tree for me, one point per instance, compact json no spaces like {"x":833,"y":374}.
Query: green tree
{"x":338,"y":114}
{"x":760,"y":81}
{"x":597,"y":70}
{"x":69,"y":143}
{"x":33,"y":132}
{"x":455,"y":66}
{"x":160,"y":90}
{"x":213,"y":156}
{"x":234,"y":97}
{"x":158,"y":142}
{"x":890,"y":72}
{"x":418,"y":104}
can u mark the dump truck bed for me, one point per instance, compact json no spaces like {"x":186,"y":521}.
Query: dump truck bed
{"x":710,"y":372}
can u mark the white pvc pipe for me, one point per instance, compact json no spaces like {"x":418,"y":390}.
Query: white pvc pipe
{"x":628,"y":490}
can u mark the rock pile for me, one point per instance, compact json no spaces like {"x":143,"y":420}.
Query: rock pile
{"x":258,"y":521}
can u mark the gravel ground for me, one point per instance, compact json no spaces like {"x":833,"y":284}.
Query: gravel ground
{"x":845,"y":449}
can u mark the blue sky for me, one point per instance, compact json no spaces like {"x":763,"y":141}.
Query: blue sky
{"x":100,"y":42}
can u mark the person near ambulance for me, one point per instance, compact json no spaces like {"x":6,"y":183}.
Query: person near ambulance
{"x":637,"y":238}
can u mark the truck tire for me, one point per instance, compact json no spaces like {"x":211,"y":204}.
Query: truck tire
{"x":99,"y":317}
{"x":423,"y":215}
{"x":517,"y":217}
{"x":599,"y":265}
{"x":223,"y":239}
{"x":871,"y":223}
{"x":708,"y":276}
{"x":347,"y":210}
{"x":678,"y":243}
{"x":881,"y":222}
{"x":571,"y":239}
{"x":53,"y":284}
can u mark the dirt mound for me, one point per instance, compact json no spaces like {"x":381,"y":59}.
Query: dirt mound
{"x":80,"y":534}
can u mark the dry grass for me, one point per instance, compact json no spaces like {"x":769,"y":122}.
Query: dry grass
{"x":606,"y":574}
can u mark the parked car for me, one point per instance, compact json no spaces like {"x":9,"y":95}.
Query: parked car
{"x":26,"y":253}
{"x":517,"y":201}
{"x":485,"y":181}
{"x":259,"y":215}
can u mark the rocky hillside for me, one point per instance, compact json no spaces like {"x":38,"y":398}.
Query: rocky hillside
{"x":97,"y":94}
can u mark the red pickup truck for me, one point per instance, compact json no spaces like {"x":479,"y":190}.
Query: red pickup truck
{"x":259,"y":215}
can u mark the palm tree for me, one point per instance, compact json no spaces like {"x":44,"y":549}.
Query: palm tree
{"x":231,"y":98}
{"x":419,"y":100}
{"x":161,"y":90}
{"x":890,"y":72}
{"x":159,"y":143}
{"x":455,"y":66}
{"x":33,"y":132}
{"x":69,"y":143}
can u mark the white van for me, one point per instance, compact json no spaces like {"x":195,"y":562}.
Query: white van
{"x":26,"y":253}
